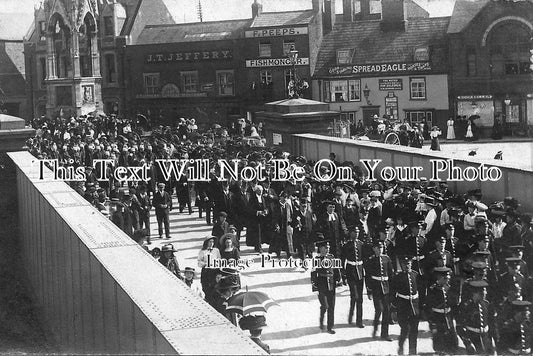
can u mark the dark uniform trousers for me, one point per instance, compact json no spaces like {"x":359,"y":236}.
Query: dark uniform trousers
{"x":439,"y":313}
{"x":378,"y":271}
{"x":352,"y":254}
{"x":405,"y":293}
{"x":325,"y":281}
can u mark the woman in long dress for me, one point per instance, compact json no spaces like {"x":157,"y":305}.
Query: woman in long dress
{"x":469,"y":134}
{"x":434,"y":134}
{"x":450,"y":135}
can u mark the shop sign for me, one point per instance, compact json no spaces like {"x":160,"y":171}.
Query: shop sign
{"x":380,"y":68}
{"x":188,"y":56}
{"x":474,"y":97}
{"x":390,"y":84}
{"x":275,"y":62}
{"x":275,"y":32}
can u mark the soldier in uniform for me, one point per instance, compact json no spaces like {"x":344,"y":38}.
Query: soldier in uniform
{"x":378,"y":271}
{"x":352,"y":256}
{"x":325,"y":281}
{"x":516,"y":333}
{"x":513,"y":276}
{"x":404,"y":295}
{"x":439,"y":257}
{"x":439,"y":312}
{"x":518,"y":252}
{"x":475,"y":322}
{"x":451,"y":243}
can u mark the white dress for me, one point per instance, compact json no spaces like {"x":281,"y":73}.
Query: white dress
{"x":469,"y":130}
{"x":450,"y":135}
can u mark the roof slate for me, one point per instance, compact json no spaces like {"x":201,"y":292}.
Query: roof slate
{"x":464,"y":12}
{"x":287,"y":18}
{"x":372,"y":45}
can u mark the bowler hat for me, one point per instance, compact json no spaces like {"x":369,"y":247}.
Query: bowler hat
{"x":168,"y":248}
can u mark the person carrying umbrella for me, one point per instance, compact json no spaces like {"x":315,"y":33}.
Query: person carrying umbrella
{"x":255,"y":324}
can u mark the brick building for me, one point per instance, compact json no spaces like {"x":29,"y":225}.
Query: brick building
{"x":74,"y":53}
{"x":385,"y":57}
{"x":489,"y":68}
{"x":12,"y":69}
{"x":188,"y":70}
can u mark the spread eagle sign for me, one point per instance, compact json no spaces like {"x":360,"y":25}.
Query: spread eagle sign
{"x":249,"y":303}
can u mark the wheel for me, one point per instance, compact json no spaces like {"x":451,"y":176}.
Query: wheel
{"x":392,"y":138}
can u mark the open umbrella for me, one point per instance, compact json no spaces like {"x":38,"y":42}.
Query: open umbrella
{"x":249,"y":303}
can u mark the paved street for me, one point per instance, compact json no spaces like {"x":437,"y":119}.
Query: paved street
{"x":515,"y":153}
{"x":293,"y":326}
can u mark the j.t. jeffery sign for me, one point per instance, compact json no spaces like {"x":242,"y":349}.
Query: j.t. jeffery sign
{"x":188,"y":56}
{"x":380,"y":68}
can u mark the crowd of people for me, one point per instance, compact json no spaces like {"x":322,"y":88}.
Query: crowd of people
{"x":421,"y":251}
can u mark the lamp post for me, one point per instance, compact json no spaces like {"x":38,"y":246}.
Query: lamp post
{"x":293,"y":57}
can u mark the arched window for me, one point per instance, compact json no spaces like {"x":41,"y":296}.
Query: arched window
{"x":86,"y":39}
{"x":61,"y":37}
{"x":508,"y":45}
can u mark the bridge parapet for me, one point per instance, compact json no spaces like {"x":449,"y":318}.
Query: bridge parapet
{"x":98,"y":290}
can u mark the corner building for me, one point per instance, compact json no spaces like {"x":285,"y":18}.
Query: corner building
{"x":385,"y":58}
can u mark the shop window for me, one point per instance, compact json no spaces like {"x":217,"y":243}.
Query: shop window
{"x":265,"y":77}
{"x":265,"y":49}
{"x":151,"y":83}
{"x":417,"y":88}
{"x":189,"y":81}
{"x":110,"y":68}
{"x":225,"y":82}
{"x":417,"y":117}
{"x":287,"y":46}
{"x":109,"y":28}
{"x":342,"y":90}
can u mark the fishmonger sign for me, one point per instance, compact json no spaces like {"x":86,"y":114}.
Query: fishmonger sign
{"x":275,"y":62}
{"x":380,"y":68}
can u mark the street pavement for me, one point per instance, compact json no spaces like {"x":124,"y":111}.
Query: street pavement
{"x":293,"y":326}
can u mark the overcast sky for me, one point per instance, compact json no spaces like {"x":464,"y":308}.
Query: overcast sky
{"x":186,"y":10}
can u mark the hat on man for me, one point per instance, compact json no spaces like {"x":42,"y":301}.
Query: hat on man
{"x":520,"y":305}
{"x":478,"y":285}
{"x":479,"y":265}
{"x":161,"y":185}
{"x":516,"y":248}
{"x":513,"y":261}
{"x":223,"y":214}
{"x":189,"y":269}
{"x":442,"y":270}
{"x":375,"y":193}
{"x":168,"y":248}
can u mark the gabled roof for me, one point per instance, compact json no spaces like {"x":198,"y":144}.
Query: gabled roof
{"x":14,"y":26}
{"x":372,"y":45}
{"x":285,"y":18}
{"x":464,"y":12}
{"x":193,"y":32}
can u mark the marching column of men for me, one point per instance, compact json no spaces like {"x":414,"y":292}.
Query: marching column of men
{"x":467,"y":284}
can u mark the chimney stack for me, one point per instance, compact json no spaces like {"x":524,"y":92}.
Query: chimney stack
{"x":393,"y":15}
{"x":257,"y":9}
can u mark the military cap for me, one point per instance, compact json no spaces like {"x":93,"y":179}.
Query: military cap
{"x":161,"y":184}
{"x":520,"y":305}
{"x":442,"y":270}
{"x":479,"y":265}
{"x":478,"y":284}
{"x":513,"y":261}
{"x":319,"y":236}
{"x":405,"y":258}
{"x":223,"y":213}
{"x":516,"y":248}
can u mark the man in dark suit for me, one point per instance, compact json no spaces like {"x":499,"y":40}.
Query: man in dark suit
{"x":333,"y":228}
{"x":163,"y":205}
{"x":259,"y":213}
{"x":222,"y":201}
{"x":281,"y":222}
{"x":142,"y":207}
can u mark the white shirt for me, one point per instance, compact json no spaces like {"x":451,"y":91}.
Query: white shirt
{"x":430,"y":219}
{"x":497,"y":229}
{"x":331,"y":217}
{"x":202,"y":256}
